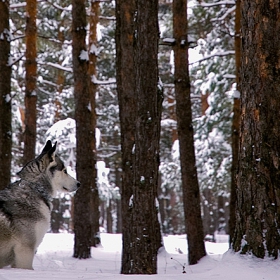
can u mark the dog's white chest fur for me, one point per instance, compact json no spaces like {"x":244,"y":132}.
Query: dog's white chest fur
{"x":43,"y":225}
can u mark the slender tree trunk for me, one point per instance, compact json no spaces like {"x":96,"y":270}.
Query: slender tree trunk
{"x":85,"y":135}
{"x":93,"y":20}
{"x":235,"y":122}
{"x":258,"y":194}
{"x":30,"y":82}
{"x":191,"y":194}
{"x":125,"y":10}
{"x":5,"y":97}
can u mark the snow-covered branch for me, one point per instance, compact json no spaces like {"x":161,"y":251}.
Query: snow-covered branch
{"x":58,"y":66}
{"x":213,"y":55}
{"x":107,"y":18}
{"x":229,"y":11}
{"x":98,"y":82}
{"x":14,"y":60}
{"x":203,"y":4}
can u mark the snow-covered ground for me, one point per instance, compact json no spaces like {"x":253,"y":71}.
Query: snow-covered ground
{"x":53,"y":261}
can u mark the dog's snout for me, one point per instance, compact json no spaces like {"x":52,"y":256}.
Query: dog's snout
{"x":78,"y":184}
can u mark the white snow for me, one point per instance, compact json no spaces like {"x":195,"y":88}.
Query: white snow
{"x":54,"y":261}
{"x":84,"y":55}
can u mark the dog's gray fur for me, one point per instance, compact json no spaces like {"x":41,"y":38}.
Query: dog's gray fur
{"x":25,"y":207}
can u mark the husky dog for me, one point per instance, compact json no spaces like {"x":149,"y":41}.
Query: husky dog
{"x":25,"y":207}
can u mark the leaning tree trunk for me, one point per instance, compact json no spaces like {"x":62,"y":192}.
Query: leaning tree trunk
{"x":190,"y":187}
{"x":85,"y":135}
{"x":258,"y":181}
{"x":30,"y":82}
{"x":5,"y":97}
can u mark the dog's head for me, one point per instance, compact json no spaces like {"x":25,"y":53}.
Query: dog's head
{"x":49,"y":165}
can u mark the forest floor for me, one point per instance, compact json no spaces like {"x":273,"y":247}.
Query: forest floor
{"x":53,"y":261}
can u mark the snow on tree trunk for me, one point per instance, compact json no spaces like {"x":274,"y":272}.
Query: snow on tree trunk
{"x":5,"y":97}
{"x":258,"y":180}
{"x":191,"y":194}
{"x":84,"y":206}
{"x":235,"y":122}
{"x":141,"y":161}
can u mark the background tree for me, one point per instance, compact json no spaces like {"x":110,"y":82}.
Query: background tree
{"x":235,"y":121}
{"x":93,"y":52}
{"x":30,"y":81}
{"x":212,"y":70}
{"x":85,"y":134}
{"x":5,"y":97}
{"x":190,"y":187}
{"x":258,"y":217}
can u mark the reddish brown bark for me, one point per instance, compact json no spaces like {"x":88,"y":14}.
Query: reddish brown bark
{"x":258,"y":194}
{"x":30,"y":81}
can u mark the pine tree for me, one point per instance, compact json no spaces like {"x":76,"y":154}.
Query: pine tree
{"x":141,"y":241}
{"x":191,"y":195}
{"x":85,"y":134}
{"x":30,"y":82}
{"x":257,"y":220}
{"x":5,"y":96}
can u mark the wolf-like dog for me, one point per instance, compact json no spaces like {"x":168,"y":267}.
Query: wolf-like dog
{"x":25,"y":207}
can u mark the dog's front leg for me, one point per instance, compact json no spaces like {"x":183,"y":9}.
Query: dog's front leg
{"x":24,"y":256}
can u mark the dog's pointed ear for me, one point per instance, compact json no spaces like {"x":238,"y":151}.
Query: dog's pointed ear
{"x":51,"y":152}
{"x":47,"y":147}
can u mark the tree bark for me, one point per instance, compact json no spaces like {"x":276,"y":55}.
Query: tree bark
{"x":93,"y":20}
{"x":5,"y":97}
{"x":258,"y":194}
{"x":30,"y":82}
{"x":137,"y":47}
{"x":191,"y":194}
{"x":125,"y":10}
{"x":85,"y":135}
{"x":235,"y":122}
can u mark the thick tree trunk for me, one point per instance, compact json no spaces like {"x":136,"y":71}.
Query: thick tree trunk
{"x":85,"y":135}
{"x":140,"y":112}
{"x":235,"y":122}
{"x":5,"y":97}
{"x":145,"y":228}
{"x":258,"y":180}
{"x":30,"y":82}
{"x":191,"y":194}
